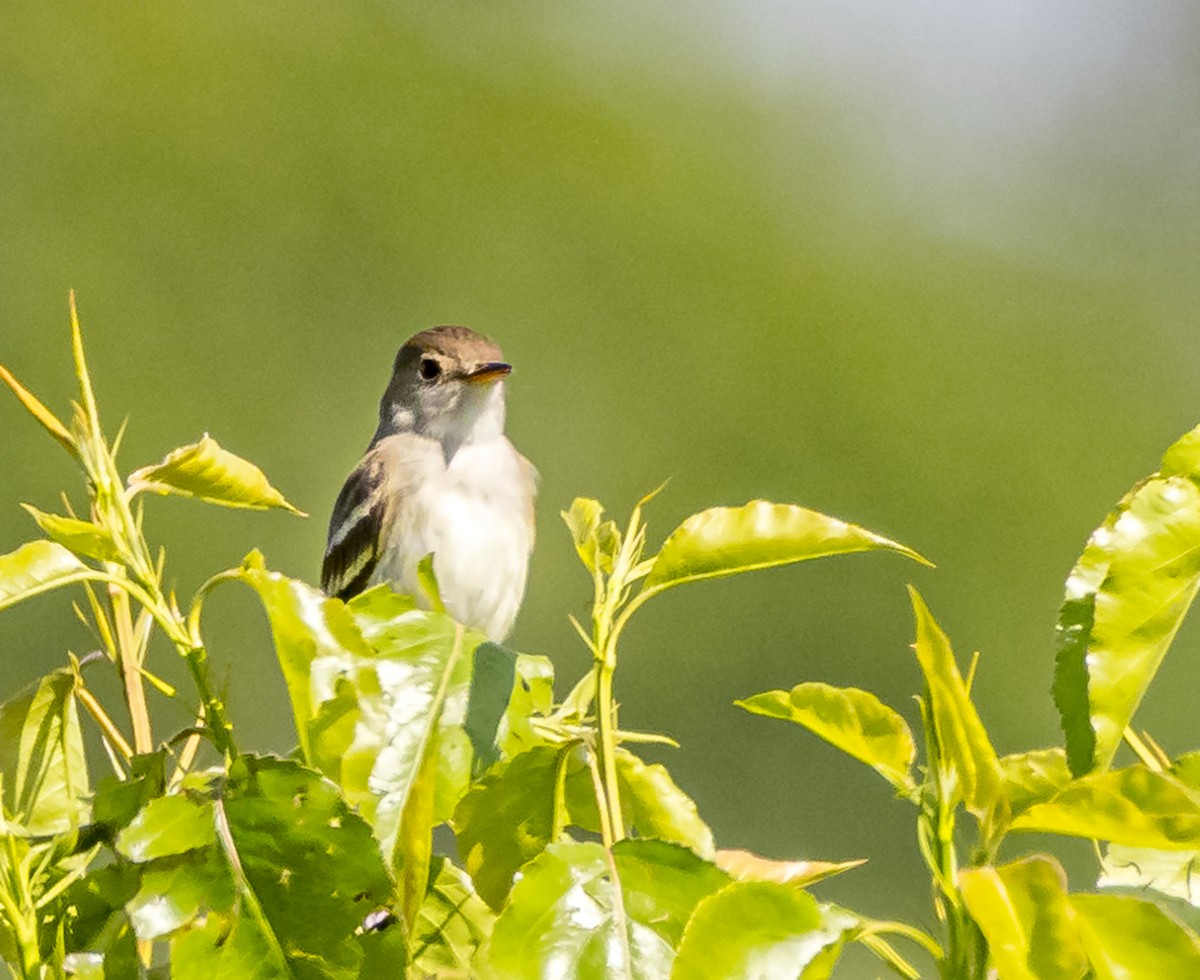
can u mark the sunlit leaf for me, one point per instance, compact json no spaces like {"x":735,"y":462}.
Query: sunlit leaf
{"x":962,"y":740}
{"x":452,"y":925}
{"x":37,"y":567}
{"x":854,"y":721}
{"x":1125,"y":600}
{"x":33,"y":405}
{"x":271,"y":878}
{"x":1132,"y":806}
{"x":82,"y":537}
{"x":212,"y":474}
{"x":583,"y":520}
{"x":728,"y":540}
{"x":509,"y":818}
{"x":1033,"y":777}
{"x":757,"y":929}
{"x":651,"y":803}
{"x":747,"y":866}
{"x":1023,"y":912}
{"x":1130,"y":938}
{"x":565,"y":918}
{"x":371,"y":683}
{"x":167,"y":826}
{"x":1174,"y":873}
{"x":42,"y":764}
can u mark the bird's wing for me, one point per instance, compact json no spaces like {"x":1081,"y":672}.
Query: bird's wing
{"x":357,"y":529}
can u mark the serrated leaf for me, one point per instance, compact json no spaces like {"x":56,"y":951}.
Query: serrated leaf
{"x":1022,"y":910}
{"x":962,"y":740}
{"x":565,"y":918}
{"x":728,"y":540}
{"x":214,"y":475}
{"x":42,"y":763}
{"x":854,"y":721}
{"x":747,"y":866}
{"x":1132,"y":806}
{"x":37,"y":567}
{"x":81,"y":537}
{"x":279,"y":891}
{"x":765,"y":930}
{"x":1127,"y":937}
{"x":1125,"y":600}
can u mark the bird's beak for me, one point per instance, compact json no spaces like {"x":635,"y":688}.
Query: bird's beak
{"x":487,"y":373}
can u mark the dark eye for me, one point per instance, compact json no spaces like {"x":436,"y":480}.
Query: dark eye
{"x":429,"y":369}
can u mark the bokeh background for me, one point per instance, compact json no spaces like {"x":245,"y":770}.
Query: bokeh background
{"x":931,"y":267}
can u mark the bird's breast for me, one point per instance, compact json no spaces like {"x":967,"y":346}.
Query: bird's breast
{"x":473,"y":516}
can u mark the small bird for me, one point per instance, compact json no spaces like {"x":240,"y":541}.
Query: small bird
{"x":439,"y":477}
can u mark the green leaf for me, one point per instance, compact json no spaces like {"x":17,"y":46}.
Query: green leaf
{"x":279,"y":889}
{"x":728,"y":540}
{"x":583,"y":521}
{"x":452,"y":926}
{"x":1125,"y":600}
{"x":854,"y":721}
{"x":1132,"y":806}
{"x":757,"y":929}
{"x":1022,"y":911}
{"x":166,"y":826}
{"x":1127,"y":937}
{"x":747,"y":866}
{"x":1033,"y":777}
{"x":37,"y":567}
{"x":371,"y":683}
{"x":495,"y":670}
{"x":575,"y":913}
{"x":962,"y":741}
{"x":532,"y":697}
{"x":42,"y":763}
{"x":509,"y":818}
{"x":307,"y":627}
{"x":651,"y":803}
{"x":212,"y":474}
{"x":82,"y":537}
{"x":1173,"y":873}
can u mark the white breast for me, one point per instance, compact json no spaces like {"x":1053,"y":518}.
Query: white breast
{"x":473,"y":515}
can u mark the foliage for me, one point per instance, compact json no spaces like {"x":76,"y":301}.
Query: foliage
{"x":575,"y":857}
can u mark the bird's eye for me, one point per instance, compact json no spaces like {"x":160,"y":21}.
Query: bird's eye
{"x":429,"y":369}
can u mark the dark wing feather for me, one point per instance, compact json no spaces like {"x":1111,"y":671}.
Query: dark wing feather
{"x":355,"y":533}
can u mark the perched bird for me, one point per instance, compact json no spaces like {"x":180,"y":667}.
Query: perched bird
{"x":439,"y":477}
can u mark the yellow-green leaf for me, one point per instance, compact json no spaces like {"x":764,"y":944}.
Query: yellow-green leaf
{"x":748,"y":866}
{"x":963,"y":741}
{"x":82,"y":537}
{"x":1125,"y":600}
{"x":854,"y":721}
{"x":37,"y":567}
{"x":1132,"y":806}
{"x":728,"y":540}
{"x":1130,"y":938}
{"x":212,"y":474}
{"x":1023,"y":912}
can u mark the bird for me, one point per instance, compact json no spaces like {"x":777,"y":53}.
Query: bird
{"x":439,"y":477}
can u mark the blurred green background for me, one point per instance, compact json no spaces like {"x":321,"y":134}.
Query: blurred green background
{"x":929,"y":267}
